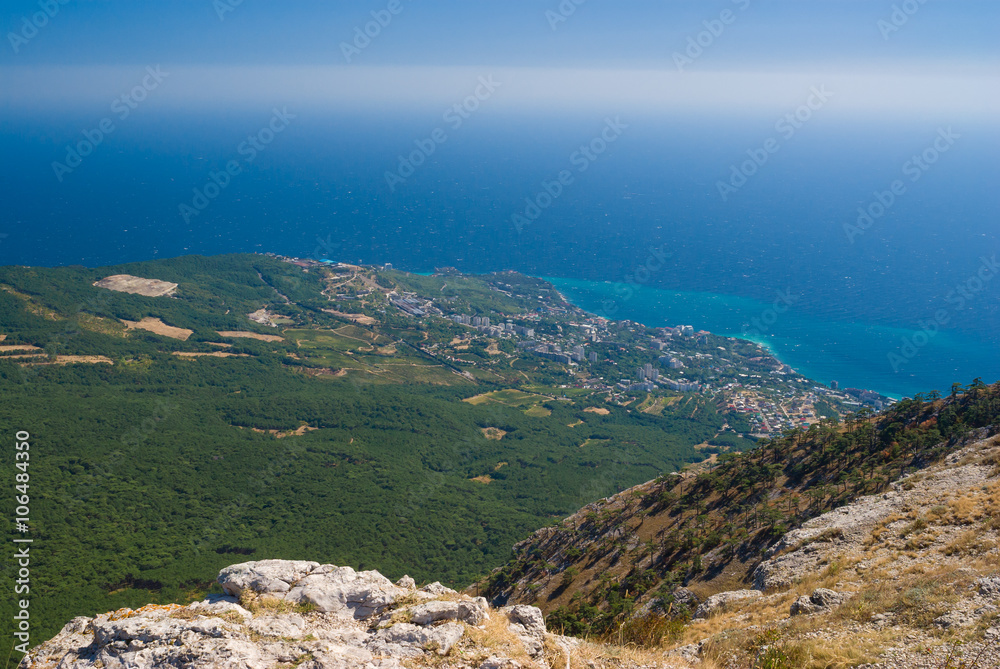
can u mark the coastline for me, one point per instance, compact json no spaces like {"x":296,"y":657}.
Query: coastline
{"x":722,"y":315}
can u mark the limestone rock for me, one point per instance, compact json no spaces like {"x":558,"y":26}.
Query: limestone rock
{"x":437,"y":589}
{"x":989,"y":587}
{"x":343,"y":591}
{"x":822,"y":600}
{"x":406,"y":583}
{"x":217,"y":605}
{"x":528,"y":623}
{"x":344,"y":631}
{"x":691,"y":653}
{"x":826,"y":598}
{"x":955,"y":619}
{"x":289,"y":626}
{"x":494,"y":662}
{"x":408,"y":640}
{"x":473,"y":612}
{"x":723,"y":601}
{"x":803,"y":606}
{"x":685,"y":597}
{"x":264,"y":576}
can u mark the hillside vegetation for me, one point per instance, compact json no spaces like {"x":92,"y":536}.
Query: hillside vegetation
{"x":616,"y":568}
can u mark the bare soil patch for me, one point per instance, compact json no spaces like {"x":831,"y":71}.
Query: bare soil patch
{"x":70,"y":359}
{"x":156,"y":326}
{"x":281,"y":434}
{"x":354,"y":318}
{"x":213,"y":354}
{"x":236,"y":334}
{"x":494,"y":433}
{"x":485,"y":479}
{"x":600,"y":411}
{"x":18,"y":347}
{"x":126,"y":283}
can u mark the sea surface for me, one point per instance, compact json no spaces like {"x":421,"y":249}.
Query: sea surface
{"x":853,"y":354}
{"x":644,"y":226}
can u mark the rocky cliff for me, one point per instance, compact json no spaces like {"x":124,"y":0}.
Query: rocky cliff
{"x":278,"y":613}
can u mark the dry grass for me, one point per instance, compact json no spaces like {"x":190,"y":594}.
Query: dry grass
{"x":496,"y":637}
{"x":256,"y":604}
{"x":586,"y":655}
{"x":185,"y":614}
{"x":966,"y":543}
{"x":779,"y":648}
{"x":915,"y":598}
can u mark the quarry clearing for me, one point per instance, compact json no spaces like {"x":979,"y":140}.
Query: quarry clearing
{"x":238,"y":334}
{"x":126,"y":283}
{"x":156,"y":326}
{"x":598,"y":410}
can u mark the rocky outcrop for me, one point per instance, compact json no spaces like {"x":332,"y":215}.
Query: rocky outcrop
{"x":843,"y":533}
{"x":723,"y":601}
{"x":528,"y":624}
{"x":822,"y":600}
{"x":305,"y":614}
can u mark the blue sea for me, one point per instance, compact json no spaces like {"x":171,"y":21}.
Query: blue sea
{"x":642,"y":232}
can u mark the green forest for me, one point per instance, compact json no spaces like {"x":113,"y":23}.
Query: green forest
{"x":149,"y":474}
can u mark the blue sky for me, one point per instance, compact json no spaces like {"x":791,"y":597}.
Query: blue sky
{"x":943,"y":58}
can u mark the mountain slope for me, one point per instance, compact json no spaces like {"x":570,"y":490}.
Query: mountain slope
{"x":665,"y":545}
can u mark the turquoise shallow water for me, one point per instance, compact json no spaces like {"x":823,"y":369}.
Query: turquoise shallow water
{"x":854,"y":354}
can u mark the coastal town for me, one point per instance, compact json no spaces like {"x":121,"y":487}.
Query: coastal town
{"x":479,"y":331}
